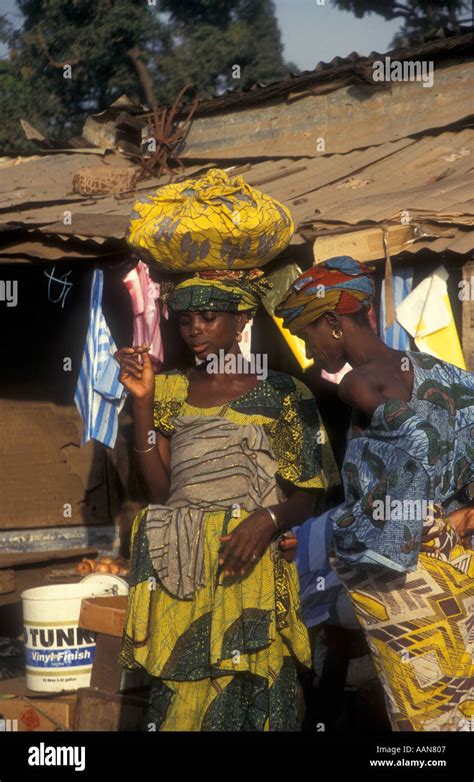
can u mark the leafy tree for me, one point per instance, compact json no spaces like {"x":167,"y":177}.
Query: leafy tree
{"x":212,"y":36}
{"x":419,"y":17}
{"x":74,"y":57}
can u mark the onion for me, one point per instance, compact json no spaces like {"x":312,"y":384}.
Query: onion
{"x":106,"y":560}
{"x":102,"y":567}
{"x":114,"y":568}
{"x":83,"y":568}
{"x":123,"y":571}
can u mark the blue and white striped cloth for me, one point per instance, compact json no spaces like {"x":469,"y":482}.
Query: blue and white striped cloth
{"x":395,"y":336}
{"x":322,"y":594}
{"x":99,"y":395}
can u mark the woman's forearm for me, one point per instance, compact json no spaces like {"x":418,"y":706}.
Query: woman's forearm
{"x":152,"y":469}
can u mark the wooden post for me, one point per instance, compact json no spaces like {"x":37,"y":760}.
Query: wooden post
{"x":468,"y":316}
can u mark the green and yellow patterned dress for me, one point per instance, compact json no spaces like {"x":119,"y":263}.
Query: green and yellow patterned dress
{"x":223,"y":651}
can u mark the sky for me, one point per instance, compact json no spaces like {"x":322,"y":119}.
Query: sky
{"x":313,"y":32}
{"x":310,"y":31}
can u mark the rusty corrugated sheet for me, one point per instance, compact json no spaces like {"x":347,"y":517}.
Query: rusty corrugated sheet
{"x":353,"y":117}
{"x":38,"y":192}
{"x":432,"y":176}
{"x":375,"y":188}
{"x":428,"y":178}
{"x":340,"y":71}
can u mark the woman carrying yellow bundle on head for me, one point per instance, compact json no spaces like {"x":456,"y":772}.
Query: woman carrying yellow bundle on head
{"x":214,"y":612}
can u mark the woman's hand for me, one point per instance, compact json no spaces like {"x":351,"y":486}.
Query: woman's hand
{"x":288,"y":544}
{"x":138,"y":378}
{"x":243,"y":547}
{"x":462,"y":520}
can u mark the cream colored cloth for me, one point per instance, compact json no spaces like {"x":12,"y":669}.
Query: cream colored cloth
{"x":216,"y":465}
{"x":427,"y":315}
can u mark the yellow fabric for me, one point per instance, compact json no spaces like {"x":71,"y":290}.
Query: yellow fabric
{"x":443,"y":343}
{"x":417,"y":628}
{"x":215,"y":222}
{"x":156,"y":622}
{"x":427,"y":315}
{"x":296,"y":344}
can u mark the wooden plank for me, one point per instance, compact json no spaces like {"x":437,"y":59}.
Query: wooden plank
{"x":35,"y":711}
{"x":365,"y":245}
{"x":107,"y":673}
{"x":7,"y":581}
{"x":27,"y":578}
{"x":106,"y":670}
{"x":22,"y":558}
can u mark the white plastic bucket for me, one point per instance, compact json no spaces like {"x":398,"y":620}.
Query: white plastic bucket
{"x":59,"y":653}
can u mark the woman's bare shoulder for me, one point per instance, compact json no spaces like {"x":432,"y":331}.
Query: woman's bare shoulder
{"x":362,"y":388}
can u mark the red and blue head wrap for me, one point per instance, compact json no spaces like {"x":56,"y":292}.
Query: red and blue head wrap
{"x":338,"y":284}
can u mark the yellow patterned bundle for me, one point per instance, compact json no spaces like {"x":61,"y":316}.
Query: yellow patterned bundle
{"x":216,"y":222}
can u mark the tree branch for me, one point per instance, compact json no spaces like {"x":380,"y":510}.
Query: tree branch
{"x":144,"y":76}
{"x":55,"y":63}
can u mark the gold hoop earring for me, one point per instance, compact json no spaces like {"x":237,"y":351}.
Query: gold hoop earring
{"x":238,"y":337}
{"x":337,"y":334}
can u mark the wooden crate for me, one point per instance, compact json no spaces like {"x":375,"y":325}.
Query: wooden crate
{"x":104,"y":711}
{"x":106,"y":617}
{"x":24,"y":710}
{"x":104,"y":614}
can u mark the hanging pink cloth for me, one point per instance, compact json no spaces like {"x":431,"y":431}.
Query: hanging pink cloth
{"x":146,"y":313}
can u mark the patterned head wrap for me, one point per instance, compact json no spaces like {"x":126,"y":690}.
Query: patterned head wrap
{"x":220,"y":291}
{"x":339,"y":284}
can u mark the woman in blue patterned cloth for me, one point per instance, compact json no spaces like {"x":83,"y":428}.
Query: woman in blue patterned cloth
{"x":402,"y":536}
{"x":213,"y":611}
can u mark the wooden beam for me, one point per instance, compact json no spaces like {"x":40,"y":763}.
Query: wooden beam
{"x":468,"y":317}
{"x":22,"y":558}
{"x":7,"y":581}
{"x":364,"y":245}
{"x":39,"y":575}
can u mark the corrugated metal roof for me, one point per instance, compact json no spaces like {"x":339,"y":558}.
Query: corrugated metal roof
{"x":416,"y":179}
{"x":353,"y":117}
{"x":341,"y":70}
